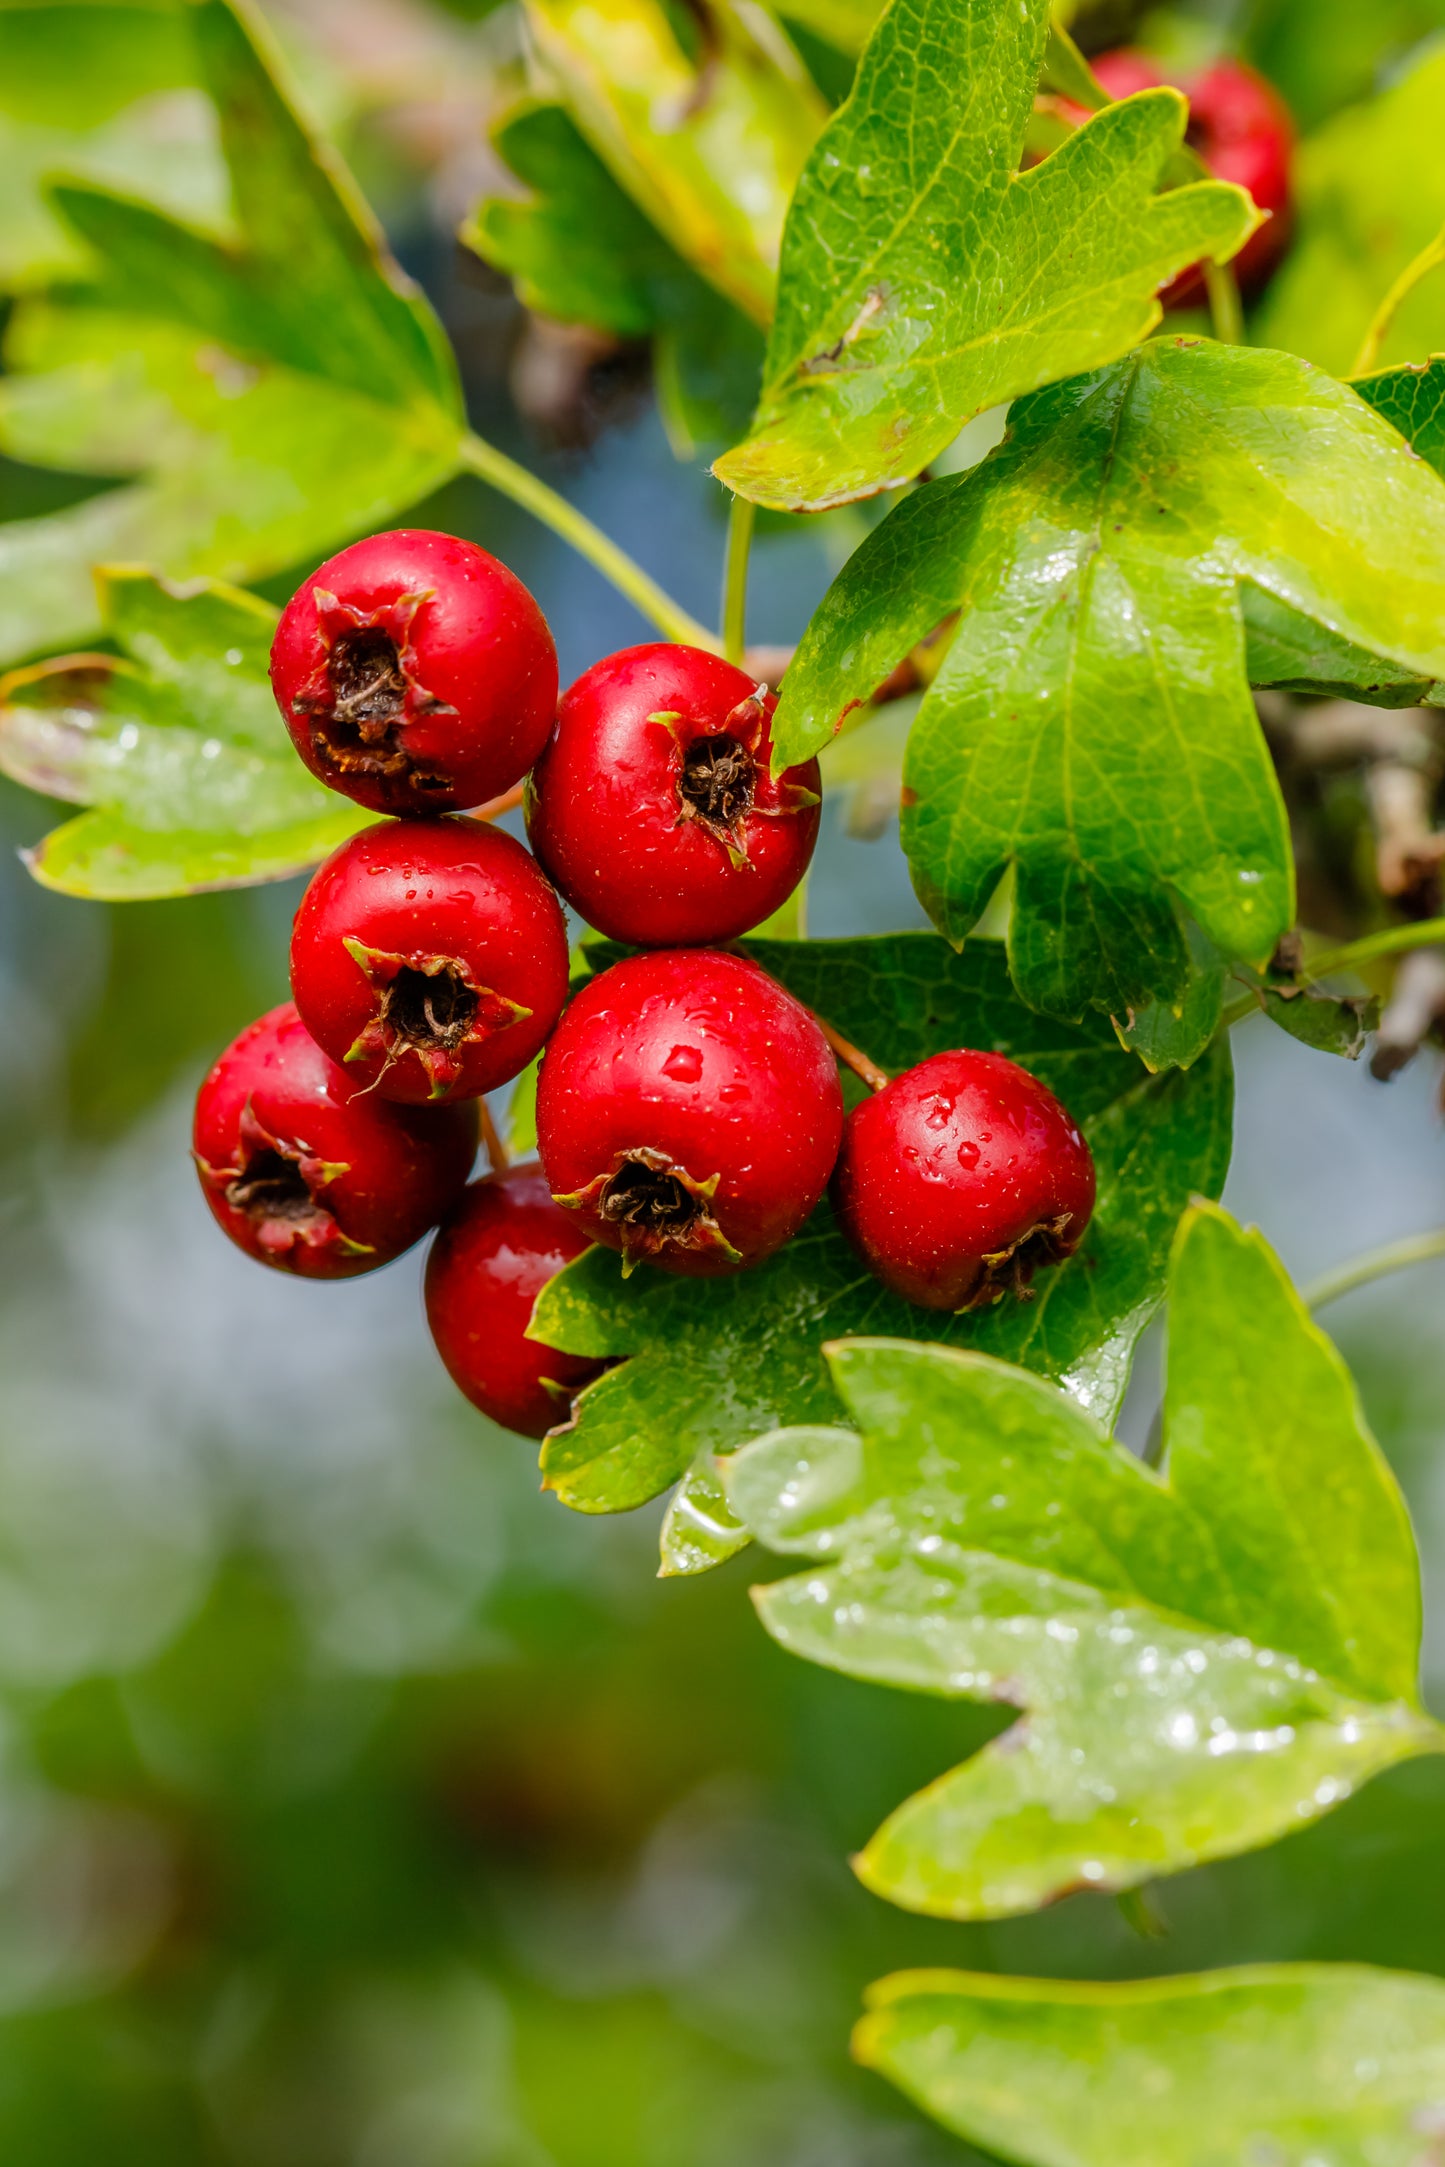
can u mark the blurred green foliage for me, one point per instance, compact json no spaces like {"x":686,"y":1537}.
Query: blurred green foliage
{"x":359,"y":1806}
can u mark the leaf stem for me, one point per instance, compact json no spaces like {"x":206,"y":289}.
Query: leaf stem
{"x":1374,"y":1264}
{"x":1431,"y":255}
{"x":1225,"y":308}
{"x":1393,"y":940}
{"x":741,"y":520}
{"x":514,"y":481}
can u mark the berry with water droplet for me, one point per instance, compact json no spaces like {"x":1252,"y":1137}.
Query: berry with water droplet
{"x":415,"y":673}
{"x":304,"y":1175}
{"x":654,"y":807}
{"x":688,"y":1111}
{"x":494,"y":1253}
{"x":429,"y":957}
{"x":960,"y":1178}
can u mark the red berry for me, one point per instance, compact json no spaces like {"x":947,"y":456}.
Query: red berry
{"x":961,"y":1177}
{"x":654,"y":808}
{"x":430,"y":957}
{"x":688,"y":1111}
{"x":416,"y":674}
{"x":303,"y":1174}
{"x":495,"y":1252}
{"x":1242,"y":130}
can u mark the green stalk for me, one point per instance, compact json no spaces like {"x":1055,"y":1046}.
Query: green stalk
{"x":1374,"y":1264}
{"x":741,"y":520}
{"x":1394,"y":940}
{"x":514,"y":481}
{"x":1431,"y":255}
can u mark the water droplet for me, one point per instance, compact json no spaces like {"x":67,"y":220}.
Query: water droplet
{"x":967,"y":1156}
{"x":683,"y":1064}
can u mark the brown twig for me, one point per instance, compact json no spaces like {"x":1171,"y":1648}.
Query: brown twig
{"x":506,"y":803}
{"x":498,"y":1157}
{"x":866,"y":1071}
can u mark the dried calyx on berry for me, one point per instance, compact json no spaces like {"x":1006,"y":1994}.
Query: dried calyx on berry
{"x":654,"y":807}
{"x":961,"y":1179}
{"x":688,"y":1112}
{"x":415,"y":673}
{"x":304,"y":1175}
{"x":430,"y":958}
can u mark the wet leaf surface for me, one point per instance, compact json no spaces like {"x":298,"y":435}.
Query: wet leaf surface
{"x":1202,"y":1659}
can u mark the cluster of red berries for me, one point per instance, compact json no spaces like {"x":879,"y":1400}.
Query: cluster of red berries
{"x":689,"y":1110}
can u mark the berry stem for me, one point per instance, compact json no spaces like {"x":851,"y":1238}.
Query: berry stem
{"x":498,"y":1157}
{"x":514,"y":481}
{"x":741,"y":520}
{"x":506,"y":803}
{"x":866,"y":1071}
{"x":1430,"y":256}
{"x":1374,"y":1264}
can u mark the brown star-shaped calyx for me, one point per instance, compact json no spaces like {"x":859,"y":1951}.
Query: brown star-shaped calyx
{"x":656,"y":1205}
{"x":427,"y":1005}
{"x":278,"y":1187}
{"x":1011,"y":1270}
{"x":723,"y":777}
{"x":365,"y":690}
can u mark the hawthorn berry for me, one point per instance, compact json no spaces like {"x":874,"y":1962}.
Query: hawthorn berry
{"x":960,"y":1178}
{"x":1243,"y":132}
{"x":429,"y":957}
{"x":654,"y":807}
{"x":415,"y":673}
{"x":688,"y":1111}
{"x":303,"y":1174}
{"x":495,"y":1251}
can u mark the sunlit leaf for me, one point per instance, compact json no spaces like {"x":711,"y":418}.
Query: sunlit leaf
{"x":925,"y":277}
{"x":175,"y":745}
{"x":1091,"y":724}
{"x":1283,"y":2065}
{"x":1201,"y":1660}
{"x":707,"y":139}
{"x":713,"y":1363}
{"x":259,"y":397}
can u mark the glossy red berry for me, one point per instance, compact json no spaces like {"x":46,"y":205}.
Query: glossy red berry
{"x":496,"y":1250}
{"x":429,"y":957}
{"x":960,"y":1178}
{"x":1242,"y":130}
{"x":654,"y":809}
{"x":416,"y":674}
{"x":304,"y":1175}
{"x":688,"y":1111}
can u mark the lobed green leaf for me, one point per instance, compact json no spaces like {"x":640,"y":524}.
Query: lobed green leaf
{"x":1091,"y":724}
{"x":260,"y":396}
{"x":176,"y":746}
{"x":1297,"y":2065}
{"x":925,"y":277}
{"x":1202,"y":1659}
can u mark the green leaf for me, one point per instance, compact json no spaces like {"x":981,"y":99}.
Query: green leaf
{"x":845,"y":24}
{"x":1174,"y":1033}
{"x":708,"y":142}
{"x":1270,"y":2065}
{"x":177,"y":747}
{"x":713,"y":1363}
{"x":1091,"y":724}
{"x":1288,"y":651}
{"x":273,"y":393}
{"x":99,"y":91}
{"x":579,"y":250}
{"x":1329,"y":1022}
{"x":1412,"y":400}
{"x":925,"y":277}
{"x":576,"y":248}
{"x":1202,"y":1660}
{"x":1369,"y":192}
